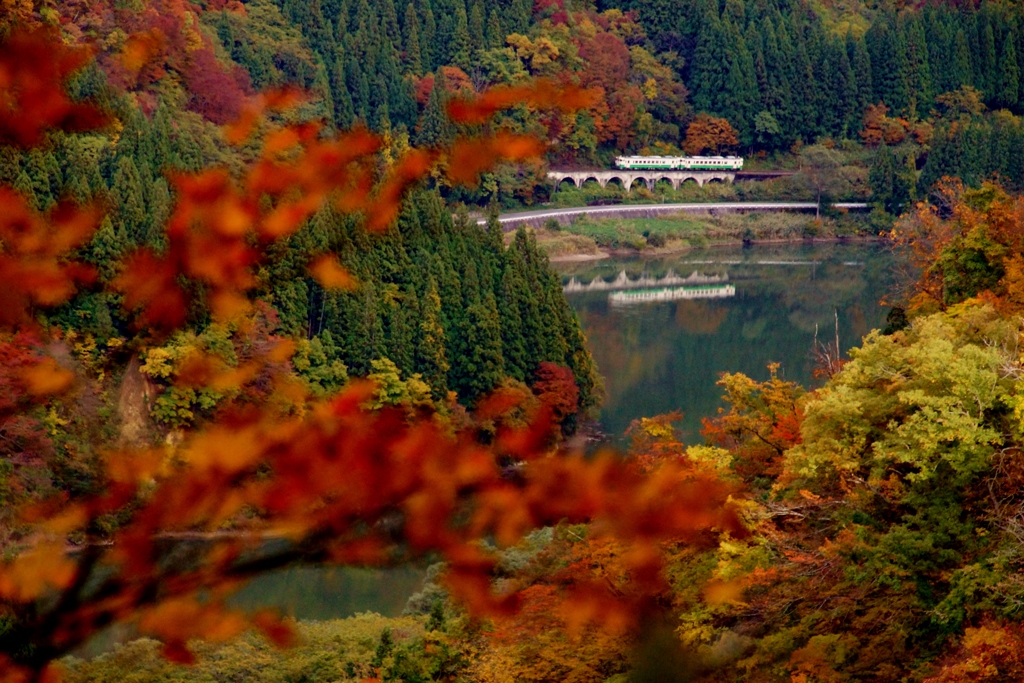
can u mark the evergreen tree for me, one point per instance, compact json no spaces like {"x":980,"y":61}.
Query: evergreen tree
{"x":401,"y":335}
{"x":159,"y":210}
{"x":511,"y":302}
{"x":708,"y":69}
{"x":412,"y":57}
{"x":46,"y":177}
{"x":105,"y":249}
{"x":778,"y":98}
{"x":444,"y":41}
{"x":1008,"y":91}
{"x":130,"y":217}
{"x":940,"y":48}
{"x":495,"y":36}
{"x":961,"y":71}
{"x":322,"y":88}
{"x":520,"y":14}
{"x":431,"y":355}
{"x":23,"y":185}
{"x":436,"y":129}
{"x":461,"y":48}
{"x":476,"y":27}
{"x":890,"y":181}
{"x":890,"y":66}
{"x":428,"y":46}
{"x":919,"y":76}
{"x":989,"y":70}
{"x":740,"y":96}
{"x":860,"y":63}
{"x":307,"y":15}
{"x":389,"y":23}
{"x":481,"y":367}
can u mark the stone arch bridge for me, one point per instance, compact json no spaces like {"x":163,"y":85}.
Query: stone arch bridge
{"x":627,"y":177}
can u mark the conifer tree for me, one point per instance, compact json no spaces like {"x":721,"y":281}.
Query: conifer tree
{"x":46,"y":177}
{"x":389,"y":22}
{"x":332,"y":10}
{"x":428,"y":46}
{"x":435,"y":128}
{"x":431,"y":354}
{"x":940,"y":50}
{"x":461,"y":48}
{"x":890,"y":182}
{"x":481,"y":366}
{"x":518,"y":363}
{"x":322,"y":88}
{"x":740,"y":96}
{"x":919,"y":76}
{"x":412,"y":56}
{"x":105,"y":249}
{"x":127,"y":195}
{"x":989,"y":71}
{"x":24,"y":186}
{"x":495,"y":36}
{"x":344,"y":111}
{"x":708,"y":71}
{"x":476,"y":27}
{"x":291,"y":301}
{"x":860,"y":63}
{"x":1008,"y":92}
{"x":402,"y":313}
{"x":961,"y":70}
{"x":779,"y":97}
{"x":520,"y":14}
{"x":159,"y":209}
{"x":890,"y":66}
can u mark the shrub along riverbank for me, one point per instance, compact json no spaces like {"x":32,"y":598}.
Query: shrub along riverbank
{"x":589,"y":237}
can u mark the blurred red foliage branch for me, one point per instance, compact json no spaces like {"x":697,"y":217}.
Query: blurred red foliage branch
{"x":299,"y":479}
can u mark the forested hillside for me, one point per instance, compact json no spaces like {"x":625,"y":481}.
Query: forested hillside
{"x":200,"y":383}
{"x":781,"y":74}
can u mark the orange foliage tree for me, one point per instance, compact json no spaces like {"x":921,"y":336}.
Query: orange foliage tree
{"x":967,"y":242}
{"x":708,"y":133}
{"x":992,"y":652}
{"x":328,"y":480}
{"x":878,"y":127}
{"x":762,"y":423}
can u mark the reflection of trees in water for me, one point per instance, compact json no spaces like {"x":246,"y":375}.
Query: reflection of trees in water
{"x":625,"y":352}
{"x":699,"y":317}
{"x":664,"y":356}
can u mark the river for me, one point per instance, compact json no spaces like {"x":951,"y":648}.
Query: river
{"x":663,"y":329}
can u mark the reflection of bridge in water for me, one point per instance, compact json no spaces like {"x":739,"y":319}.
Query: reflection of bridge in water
{"x":640,"y":296}
{"x":622,"y":281}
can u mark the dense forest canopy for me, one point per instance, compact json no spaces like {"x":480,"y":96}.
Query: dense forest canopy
{"x":869,"y":529}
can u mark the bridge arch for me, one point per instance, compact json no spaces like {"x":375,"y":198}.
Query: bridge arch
{"x":647,"y":182}
{"x":617,"y":179}
{"x":674,"y":182}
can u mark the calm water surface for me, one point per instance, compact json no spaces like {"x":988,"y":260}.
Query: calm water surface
{"x":659,"y":351}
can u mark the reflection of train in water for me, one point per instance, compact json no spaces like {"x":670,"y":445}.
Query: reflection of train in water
{"x":681,"y":163}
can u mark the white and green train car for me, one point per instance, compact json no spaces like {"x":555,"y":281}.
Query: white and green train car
{"x":680,"y":163}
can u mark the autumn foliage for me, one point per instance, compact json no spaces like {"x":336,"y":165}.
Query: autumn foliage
{"x":965,"y":244}
{"x":328,"y":480}
{"x":709,"y":135}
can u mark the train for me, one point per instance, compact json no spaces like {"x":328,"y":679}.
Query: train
{"x":680,"y":163}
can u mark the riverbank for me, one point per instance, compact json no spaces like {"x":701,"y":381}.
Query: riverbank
{"x":588,"y":239}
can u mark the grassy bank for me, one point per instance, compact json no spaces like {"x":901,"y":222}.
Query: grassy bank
{"x":589,"y":236}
